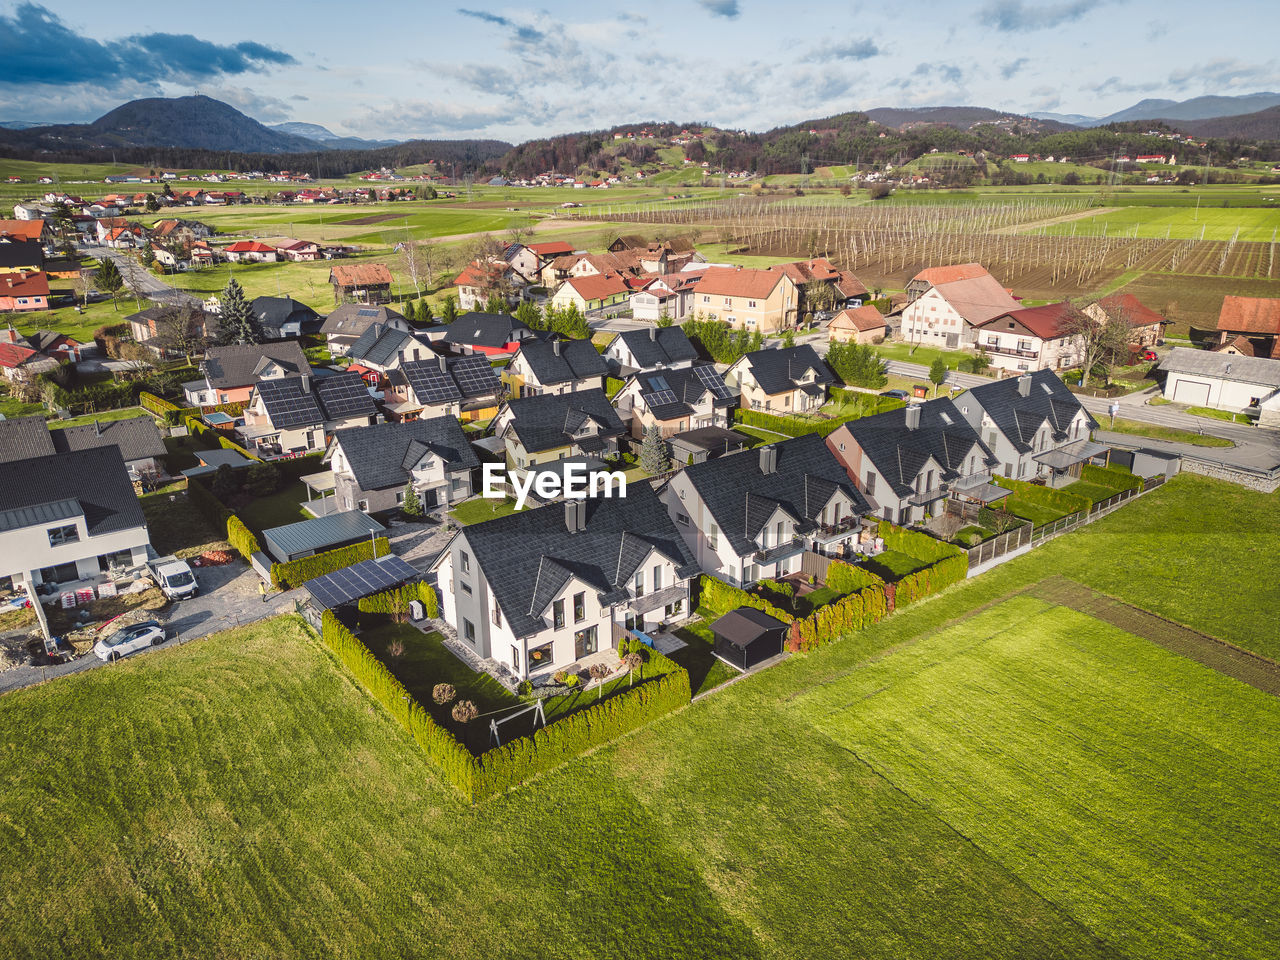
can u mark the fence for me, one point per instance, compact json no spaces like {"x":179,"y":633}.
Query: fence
{"x":814,"y":565}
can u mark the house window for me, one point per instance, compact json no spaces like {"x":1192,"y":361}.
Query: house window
{"x":778,"y":531}
{"x":657,"y":578}
{"x":363,"y":505}
{"x":993,"y":341}
{"x":540,"y":656}
{"x":1008,"y":470}
{"x":466,"y":588}
{"x":682,"y":519}
{"x":751,"y":304}
{"x":469,"y":631}
{"x":871,"y":482}
{"x":1024,"y":345}
{"x":674,"y":609}
{"x":515,"y":659}
{"x":465,"y":559}
{"x":638,"y":583}
{"x":713,"y":537}
{"x":579,"y":607}
{"x":557,"y":614}
{"x":399,"y":498}
{"x":60,"y":535}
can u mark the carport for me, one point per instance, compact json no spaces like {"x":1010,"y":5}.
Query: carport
{"x":360,"y":580}
{"x":747,"y":637}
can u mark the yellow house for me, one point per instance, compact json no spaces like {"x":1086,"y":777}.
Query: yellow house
{"x":747,"y":299}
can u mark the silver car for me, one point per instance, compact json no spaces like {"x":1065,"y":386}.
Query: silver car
{"x":130,"y":639}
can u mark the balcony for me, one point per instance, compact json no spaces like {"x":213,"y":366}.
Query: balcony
{"x":840,"y":530}
{"x":928,"y":496}
{"x":777,"y":552}
{"x":1010,"y":351}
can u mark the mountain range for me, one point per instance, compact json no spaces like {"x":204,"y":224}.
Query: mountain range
{"x":1174,"y":111}
{"x":328,"y":139}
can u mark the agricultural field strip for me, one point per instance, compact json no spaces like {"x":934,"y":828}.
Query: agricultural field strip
{"x":1126,"y":784}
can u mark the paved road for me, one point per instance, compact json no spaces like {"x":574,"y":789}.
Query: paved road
{"x":139,"y":280}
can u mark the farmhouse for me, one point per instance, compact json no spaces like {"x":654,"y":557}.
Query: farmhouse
{"x":1255,"y":319}
{"x":906,"y":461}
{"x":1033,"y":338}
{"x":371,"y":466}
{"x":1146,"y":324}
{"x":588,"y":572}
{"x":1033,"y":424}
{"x":863,"y":324}
{"x":251,"y":251}
{"x":946,"y":303}
{"x":784,"y":381}
{"x":1222,"y":381}
{"x":360,"y":283}
{"x":752,"y":515}
{"x":591,"y":293}
{"x":554,"y":366}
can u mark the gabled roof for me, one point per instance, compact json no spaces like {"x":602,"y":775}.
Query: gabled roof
{"x":550,"y":420}
{"x":670,"y":394}
{"x":303,"y":401}
{"x":658,"y":346}
{"x":22,"y":229}
{"x":777,"y":371}
{"x":552,"y":248}
{"x":738,"y":282}
{"x":274,"y":312}
{"x":352,"y":319}
{"x":446,"y":379}
{"x":739,"y":494}
{"x":959,"y":271}
{"x":379,"y":344}
{"x":562,"y":361}
{"x":977,"y":299}
{"x":1205,"y":363}
{"x":360,"y":275}
{"x":21,"y":253}
{"x":383,"y":455}
{"x":24,"y":437}
{"x":136,"y":437}
{"x":14,"y":355}
{"x":943,"y":437}
{"x":250,"y":246}
{"x":1019,"y":418}
{"x":24,"y":285}
{"x":620,"y":534}
{"x":486,"y":330}
{"x":1131,"y":308}
{"x":96,"y":480}
{"x":1253,"y":315}
{"x":598,"y":286}
{"x":1049,"y":322}
{"x":863,"y":319}
{"x":239,"y":365}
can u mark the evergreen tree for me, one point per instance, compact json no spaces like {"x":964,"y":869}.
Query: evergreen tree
{"x":529,"y":314}
{"x":409,"y":311}
{"x":109,"y":280}
{"x":937,"y":374}
{"x":664,"y":320}
{"x":425,"y":313}
{"x":496,"y":303}
{"x":237,"y":323}
{"x":653,"y":452}
{"x":449,"y":313}
{"x":412,"y":505}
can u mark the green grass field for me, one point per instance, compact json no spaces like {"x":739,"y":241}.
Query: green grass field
{"x":1177,"y":223}
{"x":1140,"y":429}
{"x":1028,"y":783}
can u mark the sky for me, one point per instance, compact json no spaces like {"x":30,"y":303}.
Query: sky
{"x":515,"y":72}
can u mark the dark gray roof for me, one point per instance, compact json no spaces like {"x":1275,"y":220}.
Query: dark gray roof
{"x":716,"y":440}
{"x":24,"y":437}
{"x":379,"y":344}
{"x":1205,"y":363}
{"x":445,"y":379}
{"x":658,"y":346}
{"x":486,"y":330}
{"x":1019,"y":418}
{"x":360,"y":580}
{"x":97,"y":479}
{"x":241,"y":364}
{"x":137,"y":437}
{"x":21,"y":253}
{"x":550,"y":420}
{"x":319,"y":534}
{"x":618,"y":537}
{"x":379,"y":455}
{"x":779,"y":370}
{"x":562,"y":361}
{"x":741,"y":497}
{"x":352,"y":319}
{"x":900,"y":454}
{"x":745,"y":625}
{"x":274,"y":312}
{"x":299,"y":401}
{"x":670,"y":394}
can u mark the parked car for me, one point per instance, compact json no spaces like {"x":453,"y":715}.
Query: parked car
{"x":1148,"y":354}
{"x":130,"y":639}
{"x":174,"y":578}
{"x":896,"y":394}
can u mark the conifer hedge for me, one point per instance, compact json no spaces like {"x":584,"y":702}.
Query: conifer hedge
{"x":1061,"y":500}
{"x":397,"y":599}
{"x":294,"y":573}
{"x":719,"y":597}
{"x":1117,"y":478}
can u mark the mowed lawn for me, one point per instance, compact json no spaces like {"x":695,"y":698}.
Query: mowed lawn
{"x":239,"y":796}
{"x":1128,"y":784}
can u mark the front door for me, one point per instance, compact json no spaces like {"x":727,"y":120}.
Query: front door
{"x":430,"y":498}
{"x":584,"y":643}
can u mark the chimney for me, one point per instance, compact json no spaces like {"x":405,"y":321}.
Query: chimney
{"x":555,"y":347}
{"x":1024,"y":385}
{"x":581,"y":507}
{"x":913,"y":416}
{"x":306,"y":384}
{"x":571,"y":515}
{"x":768,"y":459}
{"x":444,"y":366}
{"x":653,"y":333}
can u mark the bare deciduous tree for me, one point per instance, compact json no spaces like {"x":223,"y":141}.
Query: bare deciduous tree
{"x":1096,"y":340}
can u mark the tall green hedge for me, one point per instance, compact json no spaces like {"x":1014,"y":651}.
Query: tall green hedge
{"x":206,"y":433}
{"x":915,"y":544}
{"x":241,"y":537}
{"x":1117,"y":478}
{"x":719,"y":597}
{"x":398,"y":598}
{"x":214,"y":510}
{"x":294,"y":573}
{"x":845,"y":578}
{"x":1060,"y":500}
{"x":857,"y":611}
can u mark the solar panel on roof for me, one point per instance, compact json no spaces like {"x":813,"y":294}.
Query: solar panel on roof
{"x":366,"y":312}
{"x":344,"y":396}
{"x":360,"y":580}
{"x":659,"y":398}
{"x":474,"y":375}
{"x":708,"y":377}
{"x":430,"y":383}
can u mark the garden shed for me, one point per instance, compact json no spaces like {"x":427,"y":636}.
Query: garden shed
{"x":308,"y":537}
{"x":747,"y":637}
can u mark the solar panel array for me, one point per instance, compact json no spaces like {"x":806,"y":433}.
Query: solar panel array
{"x":345,"y":395}
{"x":659,"y":398}
{"x":360,"y":580}
{"x":708,"y":377}
{"x":287,"y":404}
{"x":474,"y":375}
{"x":430,"y":384}
{"x":368,"y":312}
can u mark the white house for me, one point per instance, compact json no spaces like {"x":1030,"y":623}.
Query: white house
{"x":1224,"y":381}
{"x":1034,"y":338}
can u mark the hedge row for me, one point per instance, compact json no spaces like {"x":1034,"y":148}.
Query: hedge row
{"x":294,"y":573}
{"x":865,"y":405}
{"x":453,"y":759}
{"x":915,"y":544}
{"x":198,"y":429}
{"x":931,"y":579}
{"x":397,"y":599}
{"x":478,"y":778}
{"x":516,"y":762}
{"x":1060,"y":500}
{"x":846,"y":578}
{"x":1117,"y":478}
{"x":857,"y":611}
{"x":241,"y":537}
{"x":719,"y":597}
{"x":170,"y":412}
